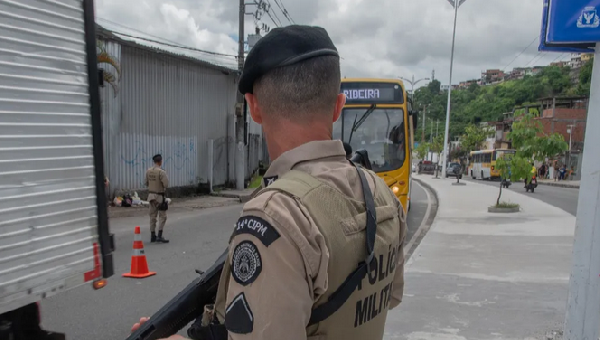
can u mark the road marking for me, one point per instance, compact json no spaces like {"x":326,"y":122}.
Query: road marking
{"x":423,"y":221}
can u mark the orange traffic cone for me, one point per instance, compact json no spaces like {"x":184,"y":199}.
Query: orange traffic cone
{"x":139,"y":266}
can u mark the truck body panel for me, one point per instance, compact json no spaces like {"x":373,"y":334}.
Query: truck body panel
{"x":53,"y":223}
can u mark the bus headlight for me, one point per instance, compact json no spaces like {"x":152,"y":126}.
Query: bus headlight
{"x":395,"y":189}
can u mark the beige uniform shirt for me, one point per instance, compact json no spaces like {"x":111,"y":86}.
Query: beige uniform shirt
{"x":281,"y":256}
{"x":157,"y":181}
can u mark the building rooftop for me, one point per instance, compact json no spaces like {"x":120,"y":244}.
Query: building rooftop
{"x":222,"y":62}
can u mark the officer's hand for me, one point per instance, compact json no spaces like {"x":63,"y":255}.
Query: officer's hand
{"x":137,"y":325}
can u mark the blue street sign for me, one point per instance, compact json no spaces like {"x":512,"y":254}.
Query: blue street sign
{"x":573,"y":21}
{"x":569,"y":26}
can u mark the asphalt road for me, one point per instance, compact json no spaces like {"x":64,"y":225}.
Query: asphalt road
{"x":197,"y":239}
{"x":563,"y":198}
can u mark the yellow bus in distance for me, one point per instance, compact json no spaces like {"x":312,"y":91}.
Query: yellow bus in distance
{"x":483,"y":163}
{"x":378,"y":118}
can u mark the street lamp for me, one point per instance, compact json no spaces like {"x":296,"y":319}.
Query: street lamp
{"x":412,"y":84}
{"x":456,"y":4}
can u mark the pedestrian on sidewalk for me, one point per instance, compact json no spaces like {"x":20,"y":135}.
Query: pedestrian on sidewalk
{"x":299,"y":255}
{"x":157,"y":182}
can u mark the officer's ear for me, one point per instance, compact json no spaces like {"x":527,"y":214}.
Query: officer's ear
{"x":339,"y":105}
{"x":255,"y":111}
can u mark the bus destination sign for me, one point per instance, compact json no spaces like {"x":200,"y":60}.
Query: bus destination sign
{"x":370,"y":94}
{"x":379,"y":93}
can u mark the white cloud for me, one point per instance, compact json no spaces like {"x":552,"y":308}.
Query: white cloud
{"x":376,"y":38}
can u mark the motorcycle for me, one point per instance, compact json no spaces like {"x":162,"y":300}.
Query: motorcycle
{"x":531,"y":185}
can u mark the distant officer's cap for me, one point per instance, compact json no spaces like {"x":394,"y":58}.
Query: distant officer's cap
{"x":284,"y":47}
{"x":157,"y":158}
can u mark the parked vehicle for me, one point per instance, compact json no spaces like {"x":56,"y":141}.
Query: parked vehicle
{"x":454,"y":170}
{"x":54,"y":223}
{"x":426,"y":167}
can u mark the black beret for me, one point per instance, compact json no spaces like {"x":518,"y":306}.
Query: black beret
{"x":284,"y":46}
{"x":157,"y":158}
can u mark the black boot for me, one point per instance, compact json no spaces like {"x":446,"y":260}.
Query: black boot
{"x":152,"y":237}
{"x":160,"y":238}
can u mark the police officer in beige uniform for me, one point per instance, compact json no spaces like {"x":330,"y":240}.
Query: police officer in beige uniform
{"x":306,"y":235}
{"x":157,"y":182}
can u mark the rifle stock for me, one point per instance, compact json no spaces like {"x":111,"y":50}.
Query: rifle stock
{"x":184,"y":308}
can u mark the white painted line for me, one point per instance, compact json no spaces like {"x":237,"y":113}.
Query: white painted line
{"x":423,"y":221}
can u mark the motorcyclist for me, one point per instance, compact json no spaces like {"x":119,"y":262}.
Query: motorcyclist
{"x":533,"y":173}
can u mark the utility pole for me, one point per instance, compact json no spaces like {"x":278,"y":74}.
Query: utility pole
{"x":437,"y":124}
{"x":583,"y":304}
{"x":570,"y":131}
{"x":455,"y":4}
{"x":424,"y":123}
{"x":239,"y":107}
{"x":431,"y":132}
{"x":240,"y":112}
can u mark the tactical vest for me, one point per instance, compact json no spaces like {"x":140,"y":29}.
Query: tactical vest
{"x":155,"y":185}
{"x":356,"y":302}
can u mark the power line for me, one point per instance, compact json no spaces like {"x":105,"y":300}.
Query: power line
{"x":179,"y":46}
{"x":275,"y":14}
{"x":560,"y":56}
{"x":136,"y":30}
{"x":525,"y":49}
{"x":534,"y":58}
{"x":171,"y":44}
{"x":284,"y":11}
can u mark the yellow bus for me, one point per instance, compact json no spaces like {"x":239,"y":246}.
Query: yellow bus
{"x":378,"y":118}
{"x":482,"y":164}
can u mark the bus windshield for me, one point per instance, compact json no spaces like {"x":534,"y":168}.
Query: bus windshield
{"x":381,"y":134}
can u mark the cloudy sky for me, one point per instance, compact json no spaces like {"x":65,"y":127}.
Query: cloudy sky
{"x":378,"y":38}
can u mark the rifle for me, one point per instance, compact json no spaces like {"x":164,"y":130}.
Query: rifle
{"x":187,"y":306}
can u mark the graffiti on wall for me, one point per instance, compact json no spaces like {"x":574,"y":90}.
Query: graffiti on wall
{"x":179,"y":159}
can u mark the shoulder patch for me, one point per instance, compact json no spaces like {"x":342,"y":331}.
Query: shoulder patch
{"x":269,"y":180}
{"x":238,"y":316}
{"x":258,"y":228}
{"x":246,"y":263}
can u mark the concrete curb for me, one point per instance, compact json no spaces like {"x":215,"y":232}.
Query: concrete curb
{"x":558,"y":184}
{"x":427,"y":224}
{"x":242,"y":198}
{"x":503,"y":210}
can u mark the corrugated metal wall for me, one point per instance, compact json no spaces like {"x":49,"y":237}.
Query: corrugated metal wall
{"x":111,"y":113}
{"x":170,"y":106}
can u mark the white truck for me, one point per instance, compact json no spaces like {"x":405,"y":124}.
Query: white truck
{"x":54,"y":233}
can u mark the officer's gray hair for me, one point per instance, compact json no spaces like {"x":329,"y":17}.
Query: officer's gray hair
{"x":302,"y":90}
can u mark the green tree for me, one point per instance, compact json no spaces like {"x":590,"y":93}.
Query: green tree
{"x":585,"y":79}
{"x":104,"y":58}
{"x":513,"y":168}
{"x":437,"y":147}
{"x":474,"y":137}
{"x":422,"y":150}
{"x":530,"y":141}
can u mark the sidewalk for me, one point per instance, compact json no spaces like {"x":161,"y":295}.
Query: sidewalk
{"x":242,"y":195}
{"x":478,"y":275}
{"x":562,"y":184}
{"x":177,"y":204}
